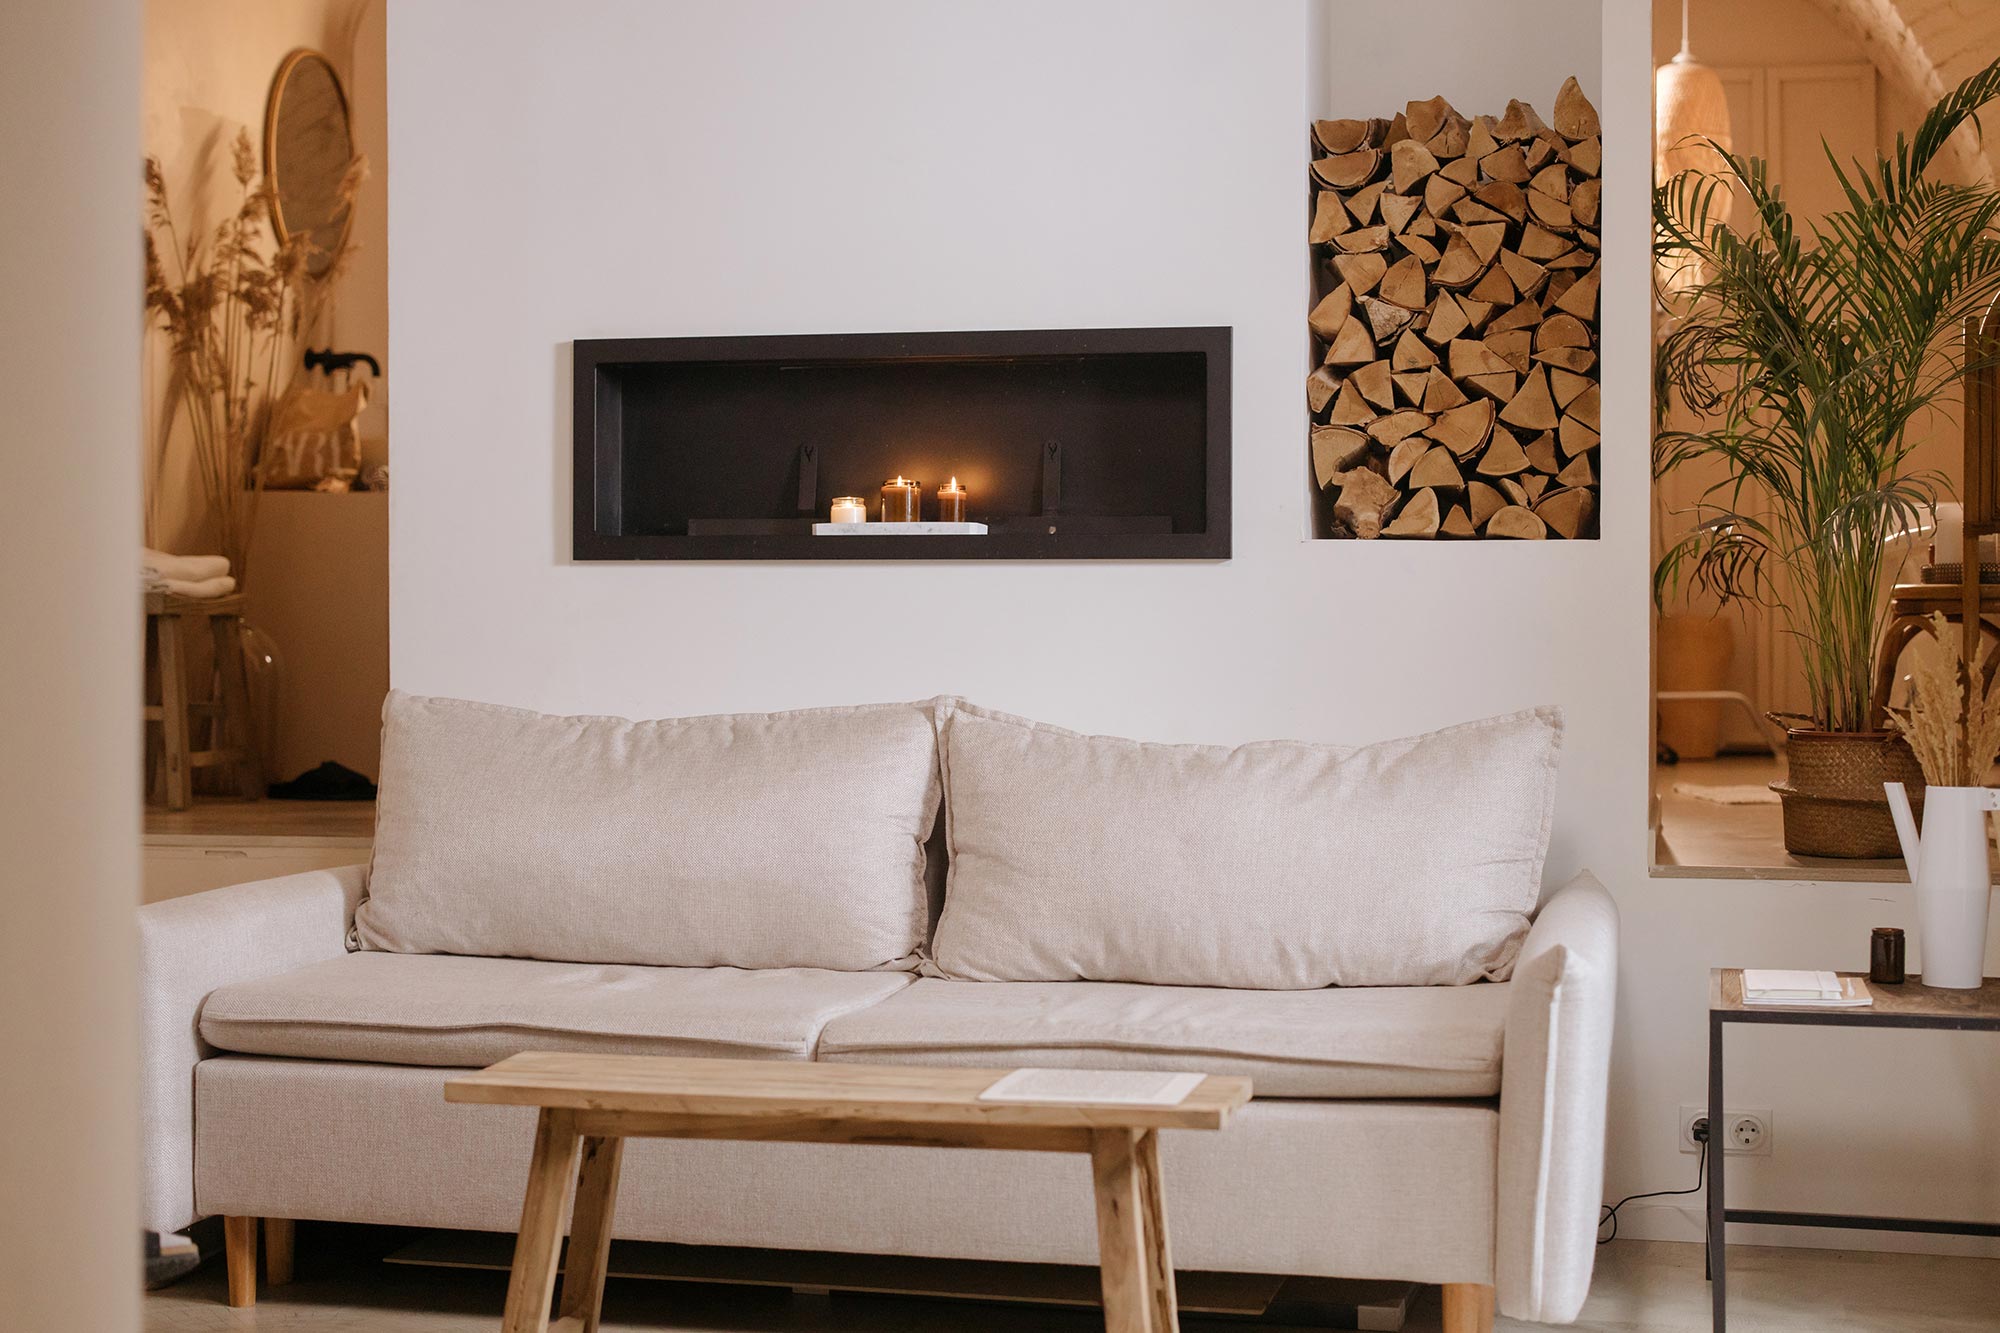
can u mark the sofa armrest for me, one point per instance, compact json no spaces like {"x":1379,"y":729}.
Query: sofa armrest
{"x":1555,"y":1068}
{"x":187,"y":948}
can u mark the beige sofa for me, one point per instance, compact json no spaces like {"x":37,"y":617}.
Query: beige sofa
{"x":1441,"y":1133}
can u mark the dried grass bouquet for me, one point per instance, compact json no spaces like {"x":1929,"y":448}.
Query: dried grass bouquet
{"x":1953,"y":718}
{"x":234,"y":309}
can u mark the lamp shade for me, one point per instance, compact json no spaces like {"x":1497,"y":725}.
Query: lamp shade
{"x":1689,"y":105}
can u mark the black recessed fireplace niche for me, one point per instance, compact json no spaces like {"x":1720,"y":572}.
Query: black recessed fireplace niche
{"x":1070,"y":444}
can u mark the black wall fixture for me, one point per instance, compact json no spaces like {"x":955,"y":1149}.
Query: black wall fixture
{"x":1076,"y":444}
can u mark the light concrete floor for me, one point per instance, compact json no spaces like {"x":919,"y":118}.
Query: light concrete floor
{"x":1641,"y":1287}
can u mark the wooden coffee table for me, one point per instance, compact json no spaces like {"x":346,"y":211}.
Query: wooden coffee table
{"x":590,"y":1104}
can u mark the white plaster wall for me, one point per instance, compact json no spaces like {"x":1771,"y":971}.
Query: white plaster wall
{"x":628,"y":168}
{"x":69,"y":667}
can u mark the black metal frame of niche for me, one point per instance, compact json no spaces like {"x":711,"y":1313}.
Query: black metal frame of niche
{"x":1076,"y":444}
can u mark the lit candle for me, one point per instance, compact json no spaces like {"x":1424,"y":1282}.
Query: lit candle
{"x":951,"y":502}
{"x":850,"y":509}
{"x":902,"y":500}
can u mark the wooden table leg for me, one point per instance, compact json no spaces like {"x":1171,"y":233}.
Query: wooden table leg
{"x":1160,"y":1253}
{"x":550,"y":1173}
{"x":239,"y":1257}
{"x":174,"y":714}
{"x":590,"y":1233}
{"x":1122,"y":1249}
{"x":278,"y":1236}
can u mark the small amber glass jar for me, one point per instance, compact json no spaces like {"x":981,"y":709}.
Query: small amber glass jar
{"x":1885,"y":956}
{"x":902,"y":500}
{"x":951,"y":502}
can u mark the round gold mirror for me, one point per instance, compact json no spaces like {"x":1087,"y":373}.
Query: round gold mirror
{"x":308,"y":146}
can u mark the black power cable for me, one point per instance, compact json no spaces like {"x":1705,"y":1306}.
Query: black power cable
{"x":1700,"y":1175}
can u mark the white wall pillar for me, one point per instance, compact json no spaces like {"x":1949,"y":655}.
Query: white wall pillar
{"x":69,"y":663}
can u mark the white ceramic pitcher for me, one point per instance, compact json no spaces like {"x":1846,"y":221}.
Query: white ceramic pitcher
{"x":1949,"y":869}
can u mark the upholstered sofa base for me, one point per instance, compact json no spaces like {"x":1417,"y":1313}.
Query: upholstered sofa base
{"x":1375,"y":1189}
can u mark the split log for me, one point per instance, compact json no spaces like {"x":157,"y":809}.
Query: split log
{"x":1340,"y":136}
{"x":1411,"y":353}
{"x":1397,"y":210}
{"x":1418,"y":518}
{"x":1483,"y":502}
{"x":1409,"y":163}
{"x":1403,"y":284}
{"x":1424,"y":119}
{"x":1346,"y":171}
{"x":1458,"y":266}
{"x":1499,"y":385}
{"x":1404,"y":457}
{"x":1329,"y":217}
{"x":1516,"y":521}
{"x":1511,"y":346}
{"x":1462,"y":171}
{"x":1504,"y":198}
{"x":1586,"y":158}
{"x":1567,"y":510}
{"x":1360,"y":273}
{"x":1503,"y":456}
{"x":1385,"y":321}
{"x":1335,"y":450}
{"x":1362,"y":240}
{"x":1493,"y":288}
{"x":1464,"y":429}
{"x":1399,"y":426}
{"x":1524,"y":315}
{"x":1361,"y":204}
{"x":1532,"y":408}
{"x":1479,"y":141}
{"x":1566,"y":385}
{"x":1520,"y":122}
{"x":1365,"y":497}
{"x":1542,"y":246}
{"x":1321,"y":386}
{"x":1486,"y":240}
{"x":1352,"y":346}
{"x":1375,"y":384}
{"x":1526,"y":275}
{"x":1331,"y":314}
{"x":1512,"y":490}
{"x":1437,"y":469}
{"x":1575,"y":117}
{"x":1584,"y":407}
{"x":1350,"y":408}
{"x":1457,"y":523}
{"x":1541,"y":452}
{"x":1409,"y":383}
{"x":1476,"y":311}
{"x":1577,"y":359}
{"x":1440,"y":393}
{"x":1561,"y":331}
{"x":1575,"y":438}
{"x":1447,"y":319}
{"x":1468,"y":358}
{"x":1577,"y":472}
{"x":1440,"y":193}
{"x":1419,"y":246}
{"x":1581,"y":298}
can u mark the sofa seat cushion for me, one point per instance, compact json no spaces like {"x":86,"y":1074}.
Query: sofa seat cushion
{"x":1418,"y":1041}
{"x":437,"y":1009}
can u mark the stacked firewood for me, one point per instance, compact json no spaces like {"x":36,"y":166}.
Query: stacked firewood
{"x":1455,"y":271}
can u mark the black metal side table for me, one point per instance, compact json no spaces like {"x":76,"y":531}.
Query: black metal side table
{"x":1910,"y":1005}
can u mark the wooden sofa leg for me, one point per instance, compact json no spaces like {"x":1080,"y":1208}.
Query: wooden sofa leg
{"x":239,"y":1251}
{"x":1468,"y":1307}
{"x":278,"y":1233}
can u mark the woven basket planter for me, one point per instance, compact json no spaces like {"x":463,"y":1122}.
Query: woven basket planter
{"x":1832,"y":792}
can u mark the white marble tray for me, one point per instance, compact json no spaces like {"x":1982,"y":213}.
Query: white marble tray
{"x":899,"y":529}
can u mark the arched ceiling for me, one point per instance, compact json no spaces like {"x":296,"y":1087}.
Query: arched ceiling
{"x":1926,"y":47}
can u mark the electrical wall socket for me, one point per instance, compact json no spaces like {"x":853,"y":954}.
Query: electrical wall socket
{"x":1745,"y":1132}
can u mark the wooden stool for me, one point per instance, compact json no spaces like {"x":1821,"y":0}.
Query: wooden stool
{"x":228,"y":713}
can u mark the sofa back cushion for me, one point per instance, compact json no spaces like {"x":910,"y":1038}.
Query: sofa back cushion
{"x":755,"y":840}
{"x":1277,"y":866}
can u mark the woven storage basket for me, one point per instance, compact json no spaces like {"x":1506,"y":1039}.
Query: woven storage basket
{"x":1832,"y":792}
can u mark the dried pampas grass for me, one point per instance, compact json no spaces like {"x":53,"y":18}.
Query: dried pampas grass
{"x":1953,"y":721}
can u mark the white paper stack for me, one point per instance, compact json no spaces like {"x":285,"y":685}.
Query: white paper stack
{"x":1804,"y":989}
{"x":1093,"y":1087}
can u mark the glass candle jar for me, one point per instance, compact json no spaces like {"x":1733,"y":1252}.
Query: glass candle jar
{"x":849,"y":509}
{"x":951,"y":502}
{"x":902,"y":500}
{"x":1885,"y":956}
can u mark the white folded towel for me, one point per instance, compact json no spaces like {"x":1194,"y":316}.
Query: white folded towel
{"x":197,"y":589}
{"x":185,"y":568}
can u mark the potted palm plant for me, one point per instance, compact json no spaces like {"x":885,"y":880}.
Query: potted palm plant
{"x":1808,"y":350}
